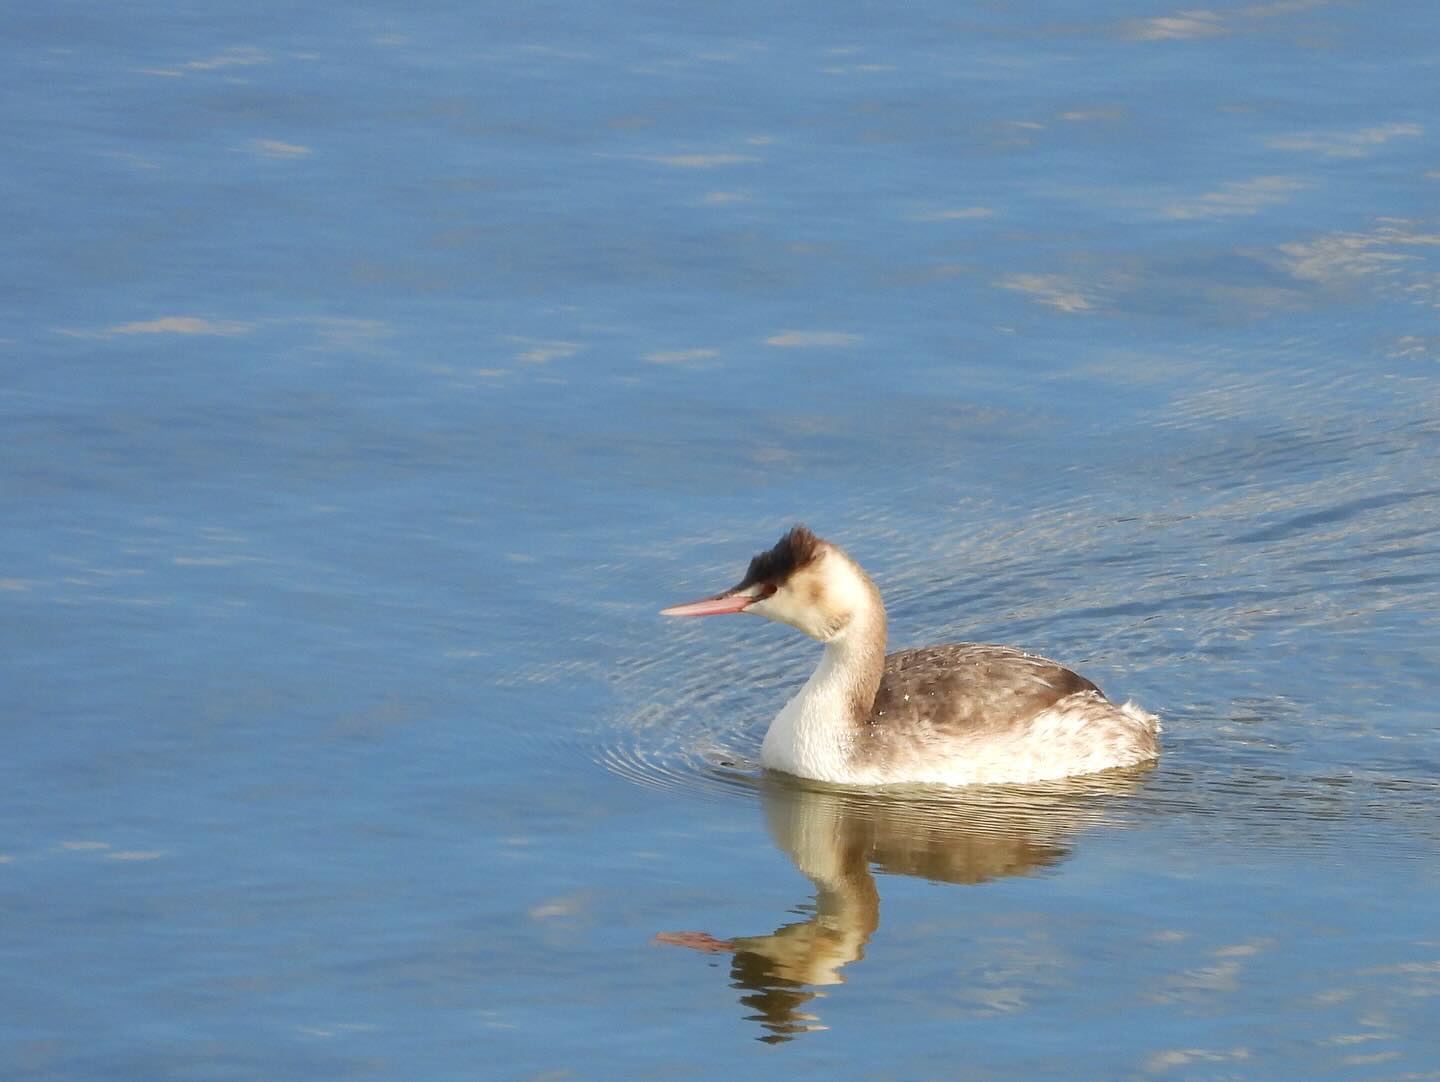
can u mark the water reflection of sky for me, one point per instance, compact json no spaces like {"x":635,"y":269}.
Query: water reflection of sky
{"x":374,"y":374}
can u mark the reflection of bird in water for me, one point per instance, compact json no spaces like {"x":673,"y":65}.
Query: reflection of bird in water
{"x":836,"y":836}
{"x":960,"y":714}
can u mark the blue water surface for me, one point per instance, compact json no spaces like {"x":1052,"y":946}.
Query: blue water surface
{"x":373,"y":374}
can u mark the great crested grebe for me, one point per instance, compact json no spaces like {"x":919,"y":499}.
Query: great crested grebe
{"x":963,"y":713}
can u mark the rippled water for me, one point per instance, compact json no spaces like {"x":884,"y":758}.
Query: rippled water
{"x":376,"y":374}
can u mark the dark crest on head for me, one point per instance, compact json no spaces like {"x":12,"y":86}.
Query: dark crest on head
{"x":792,"y":552}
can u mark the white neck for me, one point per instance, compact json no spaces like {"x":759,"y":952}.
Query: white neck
{"x":814,"y":735}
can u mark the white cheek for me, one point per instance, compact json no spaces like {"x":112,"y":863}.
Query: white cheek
{"x":778,"y":607}
{"x":764,"y":607}
{"x":759,"y":608}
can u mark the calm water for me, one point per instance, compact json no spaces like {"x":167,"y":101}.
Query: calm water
{"x":373,"y":375}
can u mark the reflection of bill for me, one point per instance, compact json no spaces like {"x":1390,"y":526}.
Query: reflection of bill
{"x":834,"y":837}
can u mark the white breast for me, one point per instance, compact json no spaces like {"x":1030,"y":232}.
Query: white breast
{"x":810,"y":737}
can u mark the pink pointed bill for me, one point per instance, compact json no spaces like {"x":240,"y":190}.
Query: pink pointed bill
{"x":711,"y":606}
